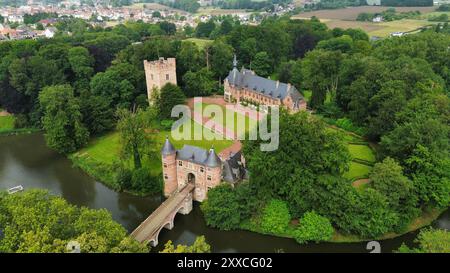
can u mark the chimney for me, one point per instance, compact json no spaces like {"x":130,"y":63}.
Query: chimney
{"x":288,"y":87}
{"x":278,"y":84}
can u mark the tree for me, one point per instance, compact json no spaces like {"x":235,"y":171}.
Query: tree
{"x":321,"y":74}
{"x":275,"y":217}
{"x":388,"y":179}
{"x":313,"y":227}
{"x":430,"y":241}
{"x":36,"y":221}
{"x":134,"y":140}
{"x":430,"y":176}
{"x":221,"y":209}
{"x":343,"y":43}
{"x":113,"y":87}
{"x":188,"y":58}
{"x":221,"y":58}
{"x":261,"y":64}
{"x":62,"y":120}
{"x":169,"y":96}
{"x":81,"y":62}
{"x":306,"y":150}
{"x":204,"y":29}
{"x":200,"y":83}
{"x":98,"y":115}
{"x":247,"y":51}
{"x":200,"y":246}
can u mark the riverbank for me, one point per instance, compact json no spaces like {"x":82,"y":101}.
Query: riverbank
{"x":426,"y":219}
{"x":7,"y":125}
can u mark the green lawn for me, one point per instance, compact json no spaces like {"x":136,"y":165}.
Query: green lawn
{"x":98,"y":157}
{"x":361,"y":152}
{"x":357,"y":170}
{"x":249,"y":123}
{"x":6,"y":123}
{"x":201,"y":43}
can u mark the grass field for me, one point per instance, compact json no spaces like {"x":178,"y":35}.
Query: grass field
{"x":6,"y":123}
{"x":361,"y":152}
{"x":98,"y":158}
{"x":249,"y":123}
{"x":201,"y":43}
{"x":357,"y":170}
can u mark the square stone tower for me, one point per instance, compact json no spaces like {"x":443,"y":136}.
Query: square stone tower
{"x":158,"y":73}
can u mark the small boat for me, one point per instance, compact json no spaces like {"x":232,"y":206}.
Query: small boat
{"x":15,"y":189}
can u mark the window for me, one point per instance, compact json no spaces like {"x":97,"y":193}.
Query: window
{"x":167,"y":77}
{"x":165,"y":165}
{"x":166,"y":177}
{"x":151,"y":75}
{"x":201,"y":169}
{"x":180,"y":163}
{"x":209,"y":177}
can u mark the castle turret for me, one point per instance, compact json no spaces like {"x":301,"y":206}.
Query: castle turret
{"x":213,"y":170}
{"x":168,"y":155}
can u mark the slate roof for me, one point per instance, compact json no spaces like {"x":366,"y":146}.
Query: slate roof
{"x":167,"y":148}
{"x":233,"y":170}
{"x":199,"y":156}
{"x":247,"y":79}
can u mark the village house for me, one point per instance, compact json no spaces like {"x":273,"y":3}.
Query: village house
{"x":246,"y":86}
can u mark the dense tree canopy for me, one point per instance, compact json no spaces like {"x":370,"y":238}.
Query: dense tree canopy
{"x":35,"y":221}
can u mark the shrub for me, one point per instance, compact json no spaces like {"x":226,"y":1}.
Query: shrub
{"x":124,"y":176}
{"x":313,"y":227}
{"x":275,"y":217}
{"x":142,"y":181}
{"x":166,"y":124}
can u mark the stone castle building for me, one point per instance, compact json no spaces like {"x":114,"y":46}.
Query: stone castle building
{"x":158,"y":73}
{"x":245,"y":85}
{"x":203,"y":169}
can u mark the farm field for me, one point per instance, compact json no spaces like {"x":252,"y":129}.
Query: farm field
{"x":154,"y":6}
{"x":346,"y":18}
{"x":350,"y":13}
{"x":219,"y":11}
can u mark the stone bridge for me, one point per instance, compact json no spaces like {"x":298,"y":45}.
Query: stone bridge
{"x":164,"y":215}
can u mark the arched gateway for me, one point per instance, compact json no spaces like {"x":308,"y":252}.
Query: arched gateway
{"x":188,"y":175}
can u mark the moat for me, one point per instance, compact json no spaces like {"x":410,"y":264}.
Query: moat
{"x":25,"y":160}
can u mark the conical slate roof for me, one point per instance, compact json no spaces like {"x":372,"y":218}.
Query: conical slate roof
{"x":167,"y":148}
{"x":212,"y":160}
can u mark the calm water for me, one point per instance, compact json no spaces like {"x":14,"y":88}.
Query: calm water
{"x":25,"y":160}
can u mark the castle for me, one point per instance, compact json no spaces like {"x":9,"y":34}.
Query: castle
{"x":158,"y":73}
{"x":203,"y":169}
{"x":245,"y":85}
